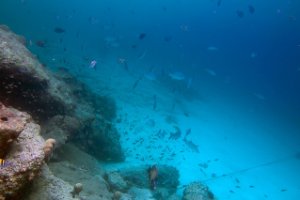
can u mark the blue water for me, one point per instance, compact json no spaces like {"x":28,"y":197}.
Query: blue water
{"x":246,"y":70}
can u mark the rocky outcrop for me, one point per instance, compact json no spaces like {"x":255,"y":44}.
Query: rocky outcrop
{"x":197,"y":191}
{"x":22,"y":152}
{"x":67,"y":108}
{"x":27,"y":84}
{"x":49,"y":187}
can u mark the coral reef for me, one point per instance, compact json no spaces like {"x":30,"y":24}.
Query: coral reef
{"x":25,"y":155}
{"x":197,"y":191}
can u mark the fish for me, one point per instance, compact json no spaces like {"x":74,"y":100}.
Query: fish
{"x":251,"y":9}
{"x":154,"y":102}
{"x":153,"y":175}
{"x":93,"y":64}
{"x":212,"y":48}
{"x":219,"y":3}
{"x":178,"y":76}
{"x":41,"y":43}
{"x":240,"y":13}
{"x":59,"y":30}
{"x":210,"y":72}
{"x":187,"y":132}
{"x":2,"y":162}
{"x":191,"y":145}
{"x":142,"y":36}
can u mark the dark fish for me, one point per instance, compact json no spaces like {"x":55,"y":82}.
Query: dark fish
{"x":240,"y":13}
{"x":134,"y":46}
{"x":192,"y":145}
{"x":142,"y":36}
{"x":219,"y":3}
{"x":167,"y":38}
{"x":59,"y":30}
{"x":187,"y":133}
{"x":135,"y":84}
{"x":41,"y":43}
{"x":154,"y":102}
{"x":251,"y":9}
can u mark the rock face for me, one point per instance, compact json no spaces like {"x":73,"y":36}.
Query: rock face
{"x":49,"y":187}
{"x":197,"y":191}
{"x":24,"y":155}
{"x":27,"y":84}
{"x":67,"y":108}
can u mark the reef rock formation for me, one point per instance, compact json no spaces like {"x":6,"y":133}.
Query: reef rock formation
{"x":197,"y":191}
{"x":27,"y":84}
{"x":59,"y":101}
{"x":22,"y":152}
{"x":49,"y":187}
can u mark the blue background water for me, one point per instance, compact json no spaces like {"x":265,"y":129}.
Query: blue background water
{"x":255,"y":56}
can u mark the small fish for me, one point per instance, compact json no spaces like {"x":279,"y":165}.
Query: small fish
{"x":153,"y":175}
{"x":93,"y":64}
{"x":2,"y":162}
{"x":142,"y":36}
{"x":251,"y":9}
{"x":154,"y":102}
{"x":219,"y":3}
{"x":178,"y":76}
{"x":192,"y":145}
{"x":212,"y":48}
{"x":59,"y":30}
{"x":240,"y":13}
{"x":188,"y":132}
{"x":41,"y":43}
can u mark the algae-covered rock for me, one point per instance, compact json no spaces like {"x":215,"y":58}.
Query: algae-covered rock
{"x":27,"y":85}
{"x":49,"y":187}
{"x":197,"y":191}
{"x":60,"y":102}
{"x":12,"y":123}
{"x":25,"y":156}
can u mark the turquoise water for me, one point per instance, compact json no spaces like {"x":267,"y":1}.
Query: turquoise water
{"x":233,"y":80}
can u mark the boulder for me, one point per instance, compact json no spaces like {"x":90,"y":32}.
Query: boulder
{"x":197,"y":191}
{"x":24,"y":157}
{"x":116,"y":182}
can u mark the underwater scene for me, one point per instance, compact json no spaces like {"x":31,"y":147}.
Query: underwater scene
{"x":149,"y":100}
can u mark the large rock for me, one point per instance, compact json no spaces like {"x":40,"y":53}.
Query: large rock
{"x":27,"y":84}
{"x":12,"y":123}
{"x":49,"y":187}
{"x":197,"y":191}
{"x":57,"y":99}
{"x":24,"y":156}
